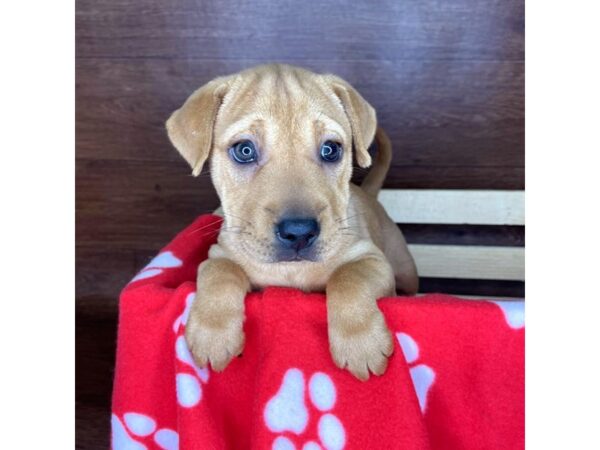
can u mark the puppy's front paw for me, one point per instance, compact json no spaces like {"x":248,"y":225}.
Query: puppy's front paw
{"x":361,"y":347}
{"x":213,"y":342}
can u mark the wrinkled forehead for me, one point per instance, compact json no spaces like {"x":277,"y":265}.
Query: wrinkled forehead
{"x":288,"y":102}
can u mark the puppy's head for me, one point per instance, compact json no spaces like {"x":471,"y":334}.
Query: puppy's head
{"x":280,"y":142}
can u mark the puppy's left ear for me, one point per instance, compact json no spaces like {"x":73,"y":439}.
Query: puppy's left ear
{"x":190,"y":128}
{"x":361,"y":115}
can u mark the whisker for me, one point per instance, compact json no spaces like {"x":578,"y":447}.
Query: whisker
{"x":212,"y":233}
{"x":236,"y":217}
{"x":236,"y":232}
{"x":350,"y":235}
{"x":206,"y":226}
{"x":232,"y":229}
{"x":350,"y":217}
{"x":350,"y":230}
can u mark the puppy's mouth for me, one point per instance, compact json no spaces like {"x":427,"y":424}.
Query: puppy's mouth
{"x":290,"y":255}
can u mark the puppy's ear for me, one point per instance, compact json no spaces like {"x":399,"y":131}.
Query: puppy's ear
{"x":190,"y":128}
{"x":361,"y":115}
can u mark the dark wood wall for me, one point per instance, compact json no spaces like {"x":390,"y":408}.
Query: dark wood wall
{"x":446,"y":77}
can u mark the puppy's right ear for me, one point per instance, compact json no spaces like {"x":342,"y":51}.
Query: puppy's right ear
{"x":191,"y":127}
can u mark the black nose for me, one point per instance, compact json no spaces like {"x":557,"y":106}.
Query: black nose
{"x":297,"y":233}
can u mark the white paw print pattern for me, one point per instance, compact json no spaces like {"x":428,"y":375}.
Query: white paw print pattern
{"x":286,"y":411}
{"x":422,"y":375}
{"x":189,"y":387}
{"x":514,"y":313}
{"x":182,"y":319}
{"x":162,"y":261}
{"x":141,"y":426}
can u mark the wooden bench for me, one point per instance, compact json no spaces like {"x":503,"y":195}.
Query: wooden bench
{"x":464,"y":208}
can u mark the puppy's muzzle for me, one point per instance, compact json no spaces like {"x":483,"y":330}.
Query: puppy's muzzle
{"x":297,"y":234}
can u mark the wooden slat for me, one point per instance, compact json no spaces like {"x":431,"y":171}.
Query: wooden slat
{"x":484,"y":297}
{"x":455,"y":206}
{"x":363,"y":29}
{"x":481,"y":288}
{"x":453,"y":177}
{"x":122,"y":106}
{"x":496,"y":235}
{"x":137,"y":205}
{"x":474,"y":262}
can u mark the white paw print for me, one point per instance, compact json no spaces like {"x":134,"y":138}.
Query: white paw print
{"x":514,"y":313}
{"x":162,"y":261}
{"x":189,"y":387}
{"x":422,"y":375}
{"x":182,"y":319}
{"x":141,"y":426}
{"x":287,"y":412}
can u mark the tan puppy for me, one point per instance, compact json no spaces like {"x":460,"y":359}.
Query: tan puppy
{"x":280,"y":141}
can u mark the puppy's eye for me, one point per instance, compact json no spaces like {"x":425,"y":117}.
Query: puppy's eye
{"x":243,"y":152}
{"x":330,"y":151}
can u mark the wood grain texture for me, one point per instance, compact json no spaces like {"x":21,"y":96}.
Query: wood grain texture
{"x":469,"y":261}
{"x":92,"y":425}
{"x":480,"y":288}
{"x":333,"y":29}
{"x":137,"y":204}
{"x":508,"y":236}
{"x":103,"y":273}
{"x":472,"y":207}
{"x":459,"y":114}
{"x":95,"y":346}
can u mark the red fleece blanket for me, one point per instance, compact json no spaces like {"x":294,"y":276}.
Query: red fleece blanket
{"x":455,"y":380}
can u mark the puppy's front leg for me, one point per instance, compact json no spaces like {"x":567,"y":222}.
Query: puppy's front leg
{"x":359,"y":339}
{"x":214,"y":330}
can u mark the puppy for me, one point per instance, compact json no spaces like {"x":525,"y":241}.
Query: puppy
{"x":280,"y":140}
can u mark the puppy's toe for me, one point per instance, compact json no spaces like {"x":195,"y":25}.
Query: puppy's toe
{"x":387,"y":346}
{"x":200,"y":359}
{"x":359,"y":369}
{"x":378,"y":364}
{"x":219,"y":360}
{"x":223,"y":356}
{"x":217,"y":346}
{"x":338,"y":357}
{"x":362,"y":352}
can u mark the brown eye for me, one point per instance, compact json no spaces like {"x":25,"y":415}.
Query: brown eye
{"x":243,"y":152}
{"x":330,"y":151}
